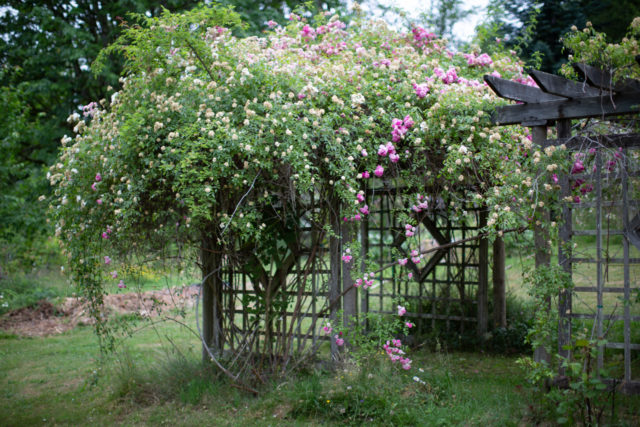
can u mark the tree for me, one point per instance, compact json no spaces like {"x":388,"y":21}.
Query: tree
{"x":536,"y":28}
{"x":46,"y":52}
{"x":443,"y":15}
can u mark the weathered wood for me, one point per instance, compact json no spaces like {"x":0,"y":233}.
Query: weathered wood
{"x":517,"y":91}
{"x":483,"y":279}
{"x":557,"y":85}
{"x":350,"y":298}
{"x":334,"y":268}
{"x":563,"y":128}
{"x":604,"y":79}
{"x":629,"y":140}
{"x":626,"y":272}
{"x":593,"y":106}
{"x":364,"y":249}
{"x":541,"y":240}
{"x":599,"y":257}
{"x":499,"y":295}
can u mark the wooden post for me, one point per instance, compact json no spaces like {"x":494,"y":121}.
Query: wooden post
{"x":334,"y":269}
{"x":499,"y":295}
{"x":483,"y":279}
{"x":350,"y":298}
{"x":541,"y":239}
{"x":364,"y":249}
{"x":563,"y":128}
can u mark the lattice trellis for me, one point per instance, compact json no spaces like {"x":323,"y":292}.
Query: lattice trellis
{"x":444,"y":286}
{"x":449,"y":286}
{"x":611,"y":217}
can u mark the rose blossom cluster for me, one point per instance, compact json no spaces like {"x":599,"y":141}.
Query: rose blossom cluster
{"x":396,"y":354}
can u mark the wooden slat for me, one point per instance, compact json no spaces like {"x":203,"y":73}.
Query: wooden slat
{"x":594,"y":232}
{"x":604,"y":79}
{"x":557,"y":85}
{"x":626,"y":273}
{"x":609,"y":260}
{"x":621,"y":345}
{"x":609,"y":317}
{"x":518,"y":92}
{"x":593,"y":106}
{"x":628,"y":140}
{"x":626,"y":387}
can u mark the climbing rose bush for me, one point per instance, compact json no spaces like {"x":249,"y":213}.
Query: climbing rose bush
{"x":224,"y":139}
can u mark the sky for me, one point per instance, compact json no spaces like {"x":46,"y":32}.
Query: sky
{"x":463,"y":30}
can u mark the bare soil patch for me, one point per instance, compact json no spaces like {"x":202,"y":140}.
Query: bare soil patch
{"x":48,"y":319}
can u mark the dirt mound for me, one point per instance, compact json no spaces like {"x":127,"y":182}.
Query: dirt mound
{"x":47,"y":319}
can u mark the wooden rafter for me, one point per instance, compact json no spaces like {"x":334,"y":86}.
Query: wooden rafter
{"x":557,"y":98}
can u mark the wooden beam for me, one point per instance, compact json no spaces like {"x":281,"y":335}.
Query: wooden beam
{"x":629,"y":140}
{"x":517,"y":91}
{"x":557,"y":85}
{"x":593,"y":106}
{"x":604,"y":79}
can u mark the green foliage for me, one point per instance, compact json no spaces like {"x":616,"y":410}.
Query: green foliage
{"x":539,"y":34}
{"x":22,"y":181}
{"x":591,"y":47}
{"x":45,"y":52}
{"x":579,"y":396}
{"x":373,"y":392}
{"x":544,"y":284}
{"x":21,"y":291}
{"x":365,"y":335}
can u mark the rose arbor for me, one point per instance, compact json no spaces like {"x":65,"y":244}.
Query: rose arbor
{"x":308,"y":170}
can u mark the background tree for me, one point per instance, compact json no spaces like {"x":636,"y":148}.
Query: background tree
{"x":46,"y":52}
{"x":443,"y":15}
{"x":535,"y":28}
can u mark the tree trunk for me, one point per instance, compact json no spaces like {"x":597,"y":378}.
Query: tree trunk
{"x":211,"y":261}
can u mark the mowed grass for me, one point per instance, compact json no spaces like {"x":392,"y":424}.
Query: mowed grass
{"x":58,"y":380}
{"x":157,"y":379}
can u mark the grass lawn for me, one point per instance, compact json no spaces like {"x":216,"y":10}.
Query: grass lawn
{"x":56,"y":380}
{"x":157,"y":378}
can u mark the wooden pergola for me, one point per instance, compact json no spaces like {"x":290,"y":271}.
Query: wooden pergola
{"x":557,"y":101}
